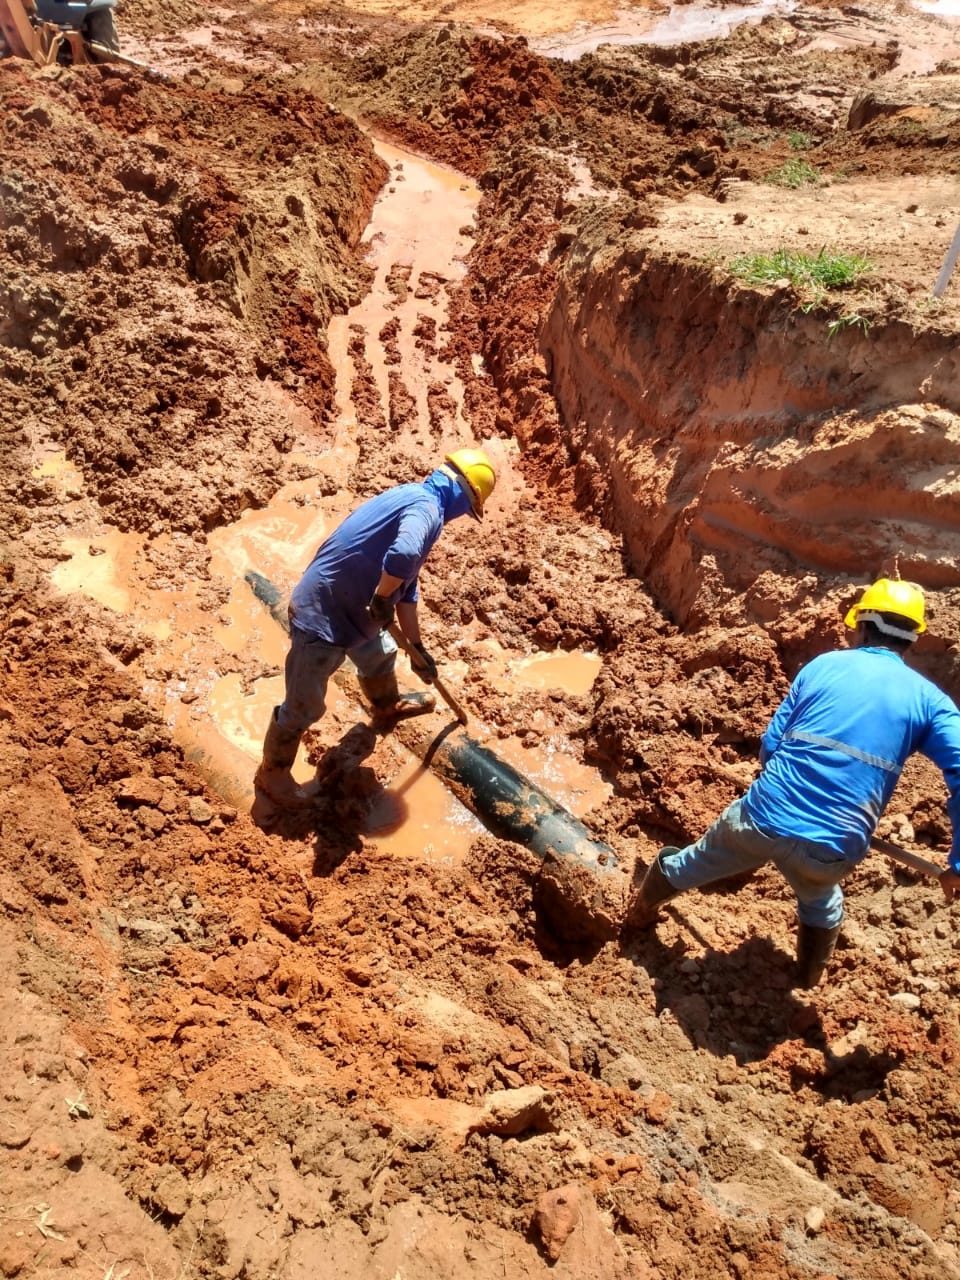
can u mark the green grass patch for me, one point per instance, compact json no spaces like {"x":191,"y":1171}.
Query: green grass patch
{"x":799,"y":141}
{"x":794,"y":173}
{"x":824,"y":270}
{"x":849,"y":320}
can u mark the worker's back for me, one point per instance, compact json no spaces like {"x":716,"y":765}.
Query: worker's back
{"x":391,"y":533}
{"x":331,"y":598}
{"x":834,"y":750}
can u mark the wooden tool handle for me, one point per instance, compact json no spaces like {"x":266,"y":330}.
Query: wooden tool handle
{"x":908,"y":858}
{"x":438,"y":684}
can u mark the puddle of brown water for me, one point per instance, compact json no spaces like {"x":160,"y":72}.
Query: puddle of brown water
{"x":417,"y":816}
{"x":572,"y":672}
{"x":55,"y":466}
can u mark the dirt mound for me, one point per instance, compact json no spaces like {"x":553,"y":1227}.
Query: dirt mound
{"x":223,"y":275}
{"x":805,"y":456}
{"x":451,"y":93}
{"x":149,"y":17}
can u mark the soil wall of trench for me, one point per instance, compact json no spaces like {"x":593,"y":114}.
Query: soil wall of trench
{"x":751,"y":459}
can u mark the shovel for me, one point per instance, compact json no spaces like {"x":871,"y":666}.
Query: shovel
{"x":438,"y":684}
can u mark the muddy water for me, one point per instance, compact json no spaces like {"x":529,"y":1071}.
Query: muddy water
{"x":416,"y":242}
{"x":680,"y":24}
{"x":572,"y":672}
{"x":218,"y":707}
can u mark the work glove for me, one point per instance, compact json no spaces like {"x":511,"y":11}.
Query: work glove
{"x":380,"y":610}
{"x":423,"y":664}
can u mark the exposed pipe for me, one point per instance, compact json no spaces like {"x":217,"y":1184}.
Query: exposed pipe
{"x":581,"y":885}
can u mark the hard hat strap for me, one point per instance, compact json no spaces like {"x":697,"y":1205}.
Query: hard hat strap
{"x":884,"y":627}
{"x":455,"y":474}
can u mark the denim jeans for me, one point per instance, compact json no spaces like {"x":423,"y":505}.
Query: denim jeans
{"x":310,"y":664}
{"x":733,"y":844}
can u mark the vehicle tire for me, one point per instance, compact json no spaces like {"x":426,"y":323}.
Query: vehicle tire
{"x":101,"y":28}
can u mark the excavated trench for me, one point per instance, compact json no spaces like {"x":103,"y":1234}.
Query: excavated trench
{"x":728,"y":440}
{"x":352,"y":1045}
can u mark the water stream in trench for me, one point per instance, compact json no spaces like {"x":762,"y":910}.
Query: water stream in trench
{"x":417,"y":240}
{"x":680,"y":24}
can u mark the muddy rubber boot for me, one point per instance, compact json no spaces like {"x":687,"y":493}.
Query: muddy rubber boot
{"x":814,"y":949}
{"x":645,"y":901}
{"x":389,"y":704}
{"x":274,"y":777}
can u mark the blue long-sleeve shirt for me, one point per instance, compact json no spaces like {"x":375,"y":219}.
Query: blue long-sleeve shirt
{"x":393,"y":533}
{"x":837,"y":743}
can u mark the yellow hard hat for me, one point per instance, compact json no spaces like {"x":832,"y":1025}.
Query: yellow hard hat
{"x":890,"y":595}
{"x":476,"y":474}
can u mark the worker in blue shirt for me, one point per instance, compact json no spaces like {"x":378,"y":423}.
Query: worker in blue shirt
{"x":831,"y":758}
{"x":362,"y":579}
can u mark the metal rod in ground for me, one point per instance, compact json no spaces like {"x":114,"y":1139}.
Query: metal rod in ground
{"x":949,"y":262}
{"x":581,"y":885}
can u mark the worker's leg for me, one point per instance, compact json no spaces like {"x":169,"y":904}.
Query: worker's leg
{"x":732,"y":845}
{"x":375,"y":661}
{"x":310,"y":664}
{"x":814,"y":873}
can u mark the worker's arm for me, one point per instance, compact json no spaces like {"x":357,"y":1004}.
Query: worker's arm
{"x":387,"y":585}
{"x":941,"y":744}
{"x":409,"y":621}
{"x":421,"y":661}
{"x":778,"y":724}
{"x":401,"y":564}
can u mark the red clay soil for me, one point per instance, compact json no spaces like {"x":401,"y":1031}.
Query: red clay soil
{"x":228,"y":1052}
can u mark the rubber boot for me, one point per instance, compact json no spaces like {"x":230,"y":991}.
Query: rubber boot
{"x":388,"y":703}
{"x":645,"y":901}
{"x":814,"y":949}
{"x":274,"y":777}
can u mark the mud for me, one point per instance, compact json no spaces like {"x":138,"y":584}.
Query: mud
{"x":233,"y":302}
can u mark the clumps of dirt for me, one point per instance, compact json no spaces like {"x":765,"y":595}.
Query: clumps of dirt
{"x":728,"y":109}
{"x":452,"y":93}
{"x":150,"y":18}
{"x":672,"y":720}
{"x":558,"y":587}
{"x":295,"y":1047}
{"x":222,"y":283}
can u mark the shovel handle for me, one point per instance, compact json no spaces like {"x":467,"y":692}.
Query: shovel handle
{"x":907,"y":858}
{"x":438,"y":684}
